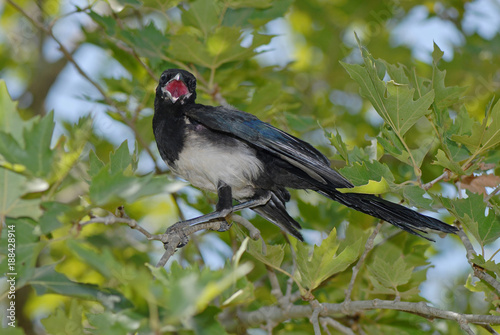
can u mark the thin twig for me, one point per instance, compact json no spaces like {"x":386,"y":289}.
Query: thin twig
{"x":445,"y":175}
{"x":253,"y":232}
{"x":275,"y":285}
{"x":490,"y":329}
{"x":111,"y":219}
{"x":314,"y":318}
{"x":492,"y":194}
{"x":289,"y":284}
{"x":132,"y":52}
{"x":335,"y":324}
{"x":465,"y":327}
{"x":357,"y":267}
{"x":478,"y":272}
{"x":68,"y":55}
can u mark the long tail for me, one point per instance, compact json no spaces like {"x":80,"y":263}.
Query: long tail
{"x":400,"y":216}
{"x":274,"y":211}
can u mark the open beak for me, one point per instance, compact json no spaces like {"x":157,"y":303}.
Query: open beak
{"x":175,"y":89}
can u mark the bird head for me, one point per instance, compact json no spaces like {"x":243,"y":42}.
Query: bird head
{"x":176,"y":87}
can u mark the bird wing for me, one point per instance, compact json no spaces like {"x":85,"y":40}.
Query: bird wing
{"x":250,"y":129}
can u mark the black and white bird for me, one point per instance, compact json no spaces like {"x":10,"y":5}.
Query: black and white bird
{"x":233,"y":153}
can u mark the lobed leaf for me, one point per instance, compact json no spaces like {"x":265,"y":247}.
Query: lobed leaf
{"x":313,"y":270}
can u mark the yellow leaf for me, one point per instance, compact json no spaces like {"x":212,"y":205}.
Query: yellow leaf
{"x":373,"y":187}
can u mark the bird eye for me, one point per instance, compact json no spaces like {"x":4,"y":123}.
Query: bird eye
{"x":162,"y":78}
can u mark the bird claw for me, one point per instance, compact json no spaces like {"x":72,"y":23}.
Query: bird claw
{"x":175,"y":236}
{"x":184,"y":240}
{"x":224,"y":226}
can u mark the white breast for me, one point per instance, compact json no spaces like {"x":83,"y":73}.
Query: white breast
{"x":204,"y":164}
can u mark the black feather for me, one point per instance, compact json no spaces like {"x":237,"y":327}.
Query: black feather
{"x":277,"y":160}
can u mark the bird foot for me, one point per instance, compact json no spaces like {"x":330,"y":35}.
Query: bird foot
{"x":224,"y":226}
{"x":175,"y":236}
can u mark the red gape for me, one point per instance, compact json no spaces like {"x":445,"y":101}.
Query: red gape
{"x":176,"y":88}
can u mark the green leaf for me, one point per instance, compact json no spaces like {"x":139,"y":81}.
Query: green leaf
{"x":442,"y":159}
{"x":392,"y":101}
{"x":361,"y":174}
{"x":12,"y":155}
{"x":202,"y":14}
{"x":399,"y":110}
{"x":488,"y":265}
{"x":190,"y":290}
{"x":37,"y":145}
{"x":12,"y":188}
{"x":392,"y":145}
{"x":256,"y":14}
{"x":46,"y":279}
{"x":103,"y":261}
{"x":112,"y":324}
{"x":66,"y":160}
{"x":390,"y":274}
{"x":36,"y":155}
{"x":107,"y":22}
{"x":10,"y":120}
{"x":187,"y":48}
{"x":13,"y":331}
{"x":225,"y":45}
{"x":479,"y":286}
{"x":221,"y":47}
{"x":207,"y":323}
{"x":113,"y":184}
{"x":437,"y":54}
{"x":415,"y":197}
{"x":147,"y":42}
{"x":61,"y":323}
{"x":49,"y":220}
{"x":27,"y":246}
{"x":397,"y":73}
{"x":445,"y":96}
{"x":120,"y":159}
{"x":95,"y":164}
{"x":132,"y":3}
{"x":483,"y":136}
{"x":272,"y":256}
{"x":463,"y":123}
{"x":422,"y":150}
{"x":338,"y":143}
{"x":261,"y":4}
{"x":325,"y":261}
{"x":160,"y":6}
{"x":471,"y":212}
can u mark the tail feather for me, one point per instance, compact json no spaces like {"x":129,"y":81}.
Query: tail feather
{"x":400,"y":216}
{"x":274,"y":211}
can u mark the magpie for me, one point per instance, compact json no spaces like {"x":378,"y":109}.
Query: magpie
{"x":233,"y":153}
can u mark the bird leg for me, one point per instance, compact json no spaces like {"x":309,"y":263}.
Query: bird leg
{"x":224,"y":204}
{"x":221,"y":212}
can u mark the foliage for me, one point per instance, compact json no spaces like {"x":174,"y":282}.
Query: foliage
{"x":415,"y":132}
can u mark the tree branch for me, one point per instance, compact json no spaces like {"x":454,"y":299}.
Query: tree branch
{"x":112,"y":219}
{"x":278,"y":314}
{"x":317,"y":309}
{"x":446,"y":175}
{"x":478,"y":271}
{"x":172,"y":239}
